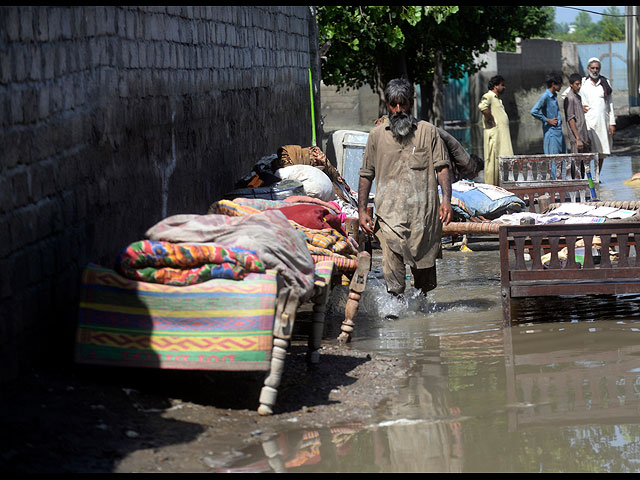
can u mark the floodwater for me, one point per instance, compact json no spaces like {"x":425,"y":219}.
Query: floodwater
{"x":559,"y":391}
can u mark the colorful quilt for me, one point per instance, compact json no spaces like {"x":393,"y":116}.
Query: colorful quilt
{"x":185,"y":264}
{"x":215,"y":325}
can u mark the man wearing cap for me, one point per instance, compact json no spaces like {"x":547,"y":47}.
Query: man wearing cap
{"x":598,"y":106}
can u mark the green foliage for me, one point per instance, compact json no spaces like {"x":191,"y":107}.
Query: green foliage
{"x":372,"y":44}
{"x":585,"y":30}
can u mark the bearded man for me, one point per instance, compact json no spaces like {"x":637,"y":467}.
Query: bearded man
{"x":408,"y":159}
{"x":597,"y":102}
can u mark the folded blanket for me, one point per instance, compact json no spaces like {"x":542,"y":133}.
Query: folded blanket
{"x":278,"y":245}
{"x":185,"y":264}
{"x":313,"y":216}
{"x":321,"y":243}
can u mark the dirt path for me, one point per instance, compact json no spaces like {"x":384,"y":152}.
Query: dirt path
{"x":97,"y":419}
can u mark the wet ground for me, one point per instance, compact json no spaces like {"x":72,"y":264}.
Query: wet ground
{"x":442,"y":388}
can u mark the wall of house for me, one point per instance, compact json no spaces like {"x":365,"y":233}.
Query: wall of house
{"x":114,"y":117}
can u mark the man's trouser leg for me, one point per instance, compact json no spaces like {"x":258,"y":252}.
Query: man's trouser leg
{"x":393,"y":267}
{"x":424,"y":279}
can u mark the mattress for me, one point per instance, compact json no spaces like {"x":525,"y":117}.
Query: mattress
{"x":215,"y":325}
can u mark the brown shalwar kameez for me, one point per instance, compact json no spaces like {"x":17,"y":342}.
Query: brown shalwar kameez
{"x":573,"y":110}
{"x":406,"y":201}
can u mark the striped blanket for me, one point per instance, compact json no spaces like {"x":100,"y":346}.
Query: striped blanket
{"x":185,"y":264}
{"x":215,"y":325}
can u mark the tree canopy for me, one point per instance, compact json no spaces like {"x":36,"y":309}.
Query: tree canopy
{"x":610,"y":28}
{"x":373,"y":44}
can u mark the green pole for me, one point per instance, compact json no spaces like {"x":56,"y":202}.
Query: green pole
{"x":313,"y":116}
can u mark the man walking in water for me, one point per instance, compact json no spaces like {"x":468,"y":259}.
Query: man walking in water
{"x":407,"y":158}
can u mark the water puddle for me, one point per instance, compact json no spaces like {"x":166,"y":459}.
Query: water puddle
{"x":557,"y":392}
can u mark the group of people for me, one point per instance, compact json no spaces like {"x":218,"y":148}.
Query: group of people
{"x":409,"y":158}
{"x":588,"y":115}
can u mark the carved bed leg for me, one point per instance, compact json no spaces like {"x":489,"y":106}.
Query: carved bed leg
{"x":285,"y":316}
{"x":357,"y":286}
{"x":274,"y":454}
{"x":317,"y":325}
{"x":269,"y":392}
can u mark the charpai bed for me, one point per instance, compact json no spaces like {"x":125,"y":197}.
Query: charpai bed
{"x":529,"y":181}
{"x":570,"y":259}
{"x":219,"y":324}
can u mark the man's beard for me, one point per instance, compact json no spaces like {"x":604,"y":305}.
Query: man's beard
{"x":401,"y":124}
{"x":594,"y":75}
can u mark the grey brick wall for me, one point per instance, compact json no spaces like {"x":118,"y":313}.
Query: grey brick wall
{"x":114,"y":117}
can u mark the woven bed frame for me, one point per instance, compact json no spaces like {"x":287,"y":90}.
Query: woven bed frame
{"x":216,"y":325}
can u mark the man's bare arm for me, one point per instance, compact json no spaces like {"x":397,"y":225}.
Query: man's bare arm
{"x":489,"y":118}
{"x":444,"y":179}
{"x":364,"y":219}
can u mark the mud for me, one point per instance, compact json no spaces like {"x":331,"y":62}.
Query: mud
{"x":95,"y":419}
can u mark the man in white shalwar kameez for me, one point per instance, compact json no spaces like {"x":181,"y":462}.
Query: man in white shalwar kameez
{"x":599,"y":116}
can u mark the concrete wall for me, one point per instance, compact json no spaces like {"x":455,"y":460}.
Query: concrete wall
{"x":348,"y":109}
{"x":112,"y":118}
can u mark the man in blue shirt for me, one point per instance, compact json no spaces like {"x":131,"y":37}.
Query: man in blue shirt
{"x":548,"y":112}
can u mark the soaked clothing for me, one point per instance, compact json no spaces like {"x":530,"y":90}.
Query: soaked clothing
{"x":406,"y":199}
{"x":599,"y":116}
{"x":545,"y":108}
{"x":573,"y":110}
{"x":394,"y":266}
{"x":497,"y":140}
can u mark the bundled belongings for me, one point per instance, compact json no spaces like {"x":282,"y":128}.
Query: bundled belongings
{"x":481,"y":200}
{"x":294,"y":171}
{"x":289,"y":155}
{"x":268,"y":233}
{"x":316,"y":224}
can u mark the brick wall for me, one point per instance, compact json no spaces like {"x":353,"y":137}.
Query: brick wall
{"x":112,"y":118}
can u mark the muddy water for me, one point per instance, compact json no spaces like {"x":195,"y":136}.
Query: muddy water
{"x":557,"y":392}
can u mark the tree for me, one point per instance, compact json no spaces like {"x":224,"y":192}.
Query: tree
{"x":373,"y":44}
{"x":610,"y":28}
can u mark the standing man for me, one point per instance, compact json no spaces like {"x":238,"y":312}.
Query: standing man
{"x":497,"y":138}
{"x":547,"y":111}
{"x":599,"y":115}
{"x":579,"y":141}
{"x":408,"y":160}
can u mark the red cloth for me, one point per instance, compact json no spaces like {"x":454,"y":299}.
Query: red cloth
{"x":312,"y":216}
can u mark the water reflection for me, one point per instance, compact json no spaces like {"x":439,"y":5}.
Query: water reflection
{"x":550,"y":398}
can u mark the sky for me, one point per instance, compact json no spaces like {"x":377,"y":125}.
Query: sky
{"x":568,"y":15}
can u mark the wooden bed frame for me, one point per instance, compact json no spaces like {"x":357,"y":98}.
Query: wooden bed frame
{"x":529,"y":178}
{"x":528,"y":277}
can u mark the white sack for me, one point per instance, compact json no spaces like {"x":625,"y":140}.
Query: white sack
{"x":315,"y":182}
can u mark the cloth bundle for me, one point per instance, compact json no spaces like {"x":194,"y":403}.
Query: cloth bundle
{"x":185,"y":264}
{"x":277,"y":244}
